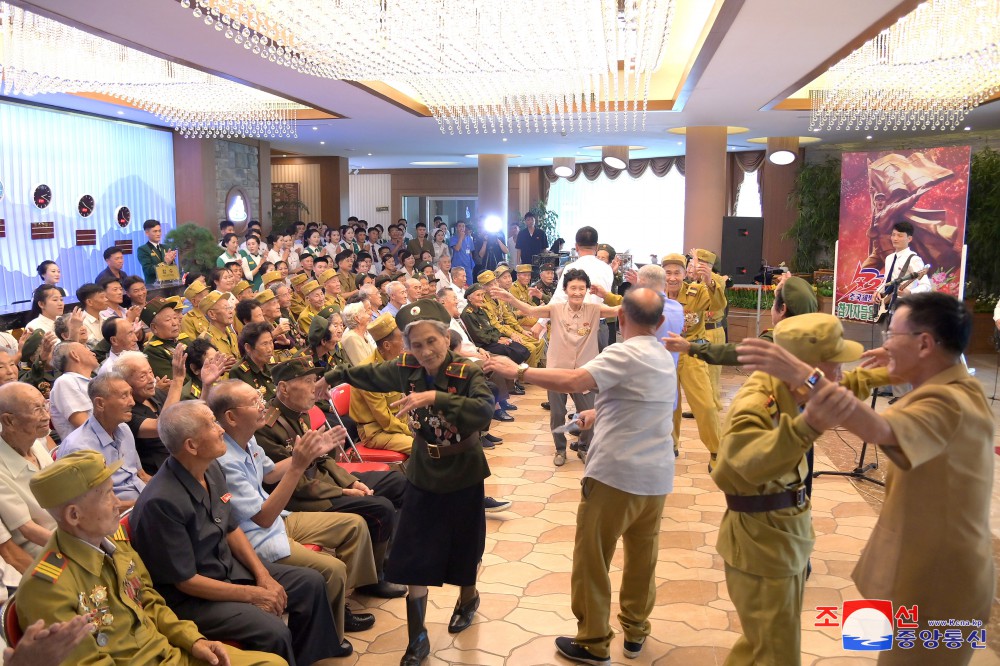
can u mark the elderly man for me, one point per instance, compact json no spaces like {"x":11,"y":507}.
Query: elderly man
{"x":397,"y":298}
{"x":459,"y":283}
{"x":210,"y":574}
{"x":503,"y":318}
{"x":8,"y":365}
{"x":629,"y":471}
{"x":24,"y":417}
{"x":929,"y":556}
{"x":74,"y":364}
{"x":149,"y":403}
{"x":443,"y":272}
{"x":483,"y":333}
{"x":315,"y":300}
{"x":285,"y":344}
{"x":88,"y":572}
{"x":163,"y":317}
{"x":119,"y":337}
{"x":219,"y":312}
{"x":378,"y":424}
{"x":107,"y":433}
{"x":327,"y":486}
{"x":275,"y":534}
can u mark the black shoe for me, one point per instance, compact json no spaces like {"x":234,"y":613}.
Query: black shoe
{"x":507,"y":405}
{"x":687,"y":415}
{"x":809,"y":568}
{"x":575,"y":652}
{"x":547,"y":406}
{"x":574,"y":445}
{"x":493,"y":438}
{"x":516,"y":391}
{"x":633,"y":648}
{"x":383,"y":590}
{"x":581,"y":453}
{"x":419,"y":646}
{"x":491,"y":505}
{"x":486,"y":444}
{"x":518,"y":386}
{"x":462,"y":618}
{"x":501,"y":415}
{"x":892,"y":401}
{"x":345,"y":650}
{"x":358,"y":621}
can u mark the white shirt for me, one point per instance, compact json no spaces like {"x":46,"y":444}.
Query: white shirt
{"x":444,"y":279}
{"x":599,"y":273}
{"x":108,"y":362}
{"x":916,"y":263}
{"x":460,"y":292}
{"x":467,"y":349}
{"x":632,"y":449}
{"x":41,"y":323}
{"x":68,"y":396}
{"x":293,"y":259}
{"x":18,"y":505}
{"x":93,"y":326}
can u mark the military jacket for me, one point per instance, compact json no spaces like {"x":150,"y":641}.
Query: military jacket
{"x":520,"y":292}
{"x":132,"y":623}
{"x":258,"y":378}
{"x":39,"y":375}
{"x":347,"y":282}
{"x":502,"y":317}
{"x":296,"y":307}
{"x":719,"y":300}
{"x":160,"y":354}
{"x":547,"y":291}
{"x":193,"y":324}
{"x":225,"y":341}
{"x":697,"y":300}
{"x":463,"y":406}
{"x":324,"y":479}
{"x":480,"y":327}
{"x":336,"y":302}
{"x":305,"y":319}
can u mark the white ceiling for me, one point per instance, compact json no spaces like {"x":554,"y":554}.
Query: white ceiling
{"x":770,"y":45}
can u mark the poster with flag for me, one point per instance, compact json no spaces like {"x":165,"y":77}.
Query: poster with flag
{"x":929,"y":189}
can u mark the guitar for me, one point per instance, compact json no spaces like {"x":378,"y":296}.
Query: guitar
{"x":892,"y":288}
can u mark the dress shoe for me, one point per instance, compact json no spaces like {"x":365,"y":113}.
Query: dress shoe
{"x":687,"y":415}
{"x":547,"y":406}
{"x":493,"y":438}
{"x":501,"y":415}
{"x":515,"y":390}
{"x":462,"y":618}
{"x":486,"y":444}
{"x":358,"y":621}
{"x":508,"y":406}
{"x":519,"y":386}
{"x":632,"y":649}
{"x":419,"y":646}
{"x":491,"y":505}
{"x":574,"y":445}
{"x":575,"y":652}
{"x":383,"y":590}
{"x":345,"y":649}
{"x":560,"y":459}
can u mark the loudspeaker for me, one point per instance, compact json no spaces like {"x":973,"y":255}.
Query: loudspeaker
{"x":742,"y":245}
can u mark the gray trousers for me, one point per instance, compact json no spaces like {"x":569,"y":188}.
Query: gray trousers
{"x":557,"y":417}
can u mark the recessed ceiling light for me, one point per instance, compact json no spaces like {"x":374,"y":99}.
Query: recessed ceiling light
{"x":322,"y":143}
{"x":504,"y":139}
{"x":869,"y":137}
{"x":433,"y":163}
{"x":598,"y":149}
{"x":284,"y":155}
{"x":121,"y":113}
{"x":967,"y":128}
{"x":315,"y":128}
{"x":369,"y":154}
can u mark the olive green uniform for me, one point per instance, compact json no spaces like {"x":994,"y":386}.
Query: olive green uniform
{"x":547,"y":291}
{"x":502,"y":317}
{"x":193,"y":324}
{"x":133,"y":625}
{"x":160,"y":354}
{"x":258,"y":378}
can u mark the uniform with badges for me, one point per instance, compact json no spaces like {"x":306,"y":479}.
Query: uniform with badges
{"x":502,"y":317}
{"x":32,"y":370}
{"x":484,"y":334}
{"x":194,"y":323}
{"x":520,"y":292}
{"x":259,"y":378}
{"x":714,"y":331}
{"x":130,"y":622}
{"x":224,"y":339}
{"x":159,"y":352}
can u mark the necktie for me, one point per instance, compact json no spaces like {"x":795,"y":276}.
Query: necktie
{"x":892,"y":267}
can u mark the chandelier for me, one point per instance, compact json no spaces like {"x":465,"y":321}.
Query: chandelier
{"x":39,"y":56}
{"x":926,"y":72}
{"x":480,"y":66}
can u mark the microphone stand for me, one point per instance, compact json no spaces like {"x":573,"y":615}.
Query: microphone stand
{"x":859,"y":471}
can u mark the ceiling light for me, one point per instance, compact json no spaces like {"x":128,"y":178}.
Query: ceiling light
{"x":869,"y":137}
{"x":782,"y":150}
{"x":122,"y":113}
{"x":426,"y":163}
{"x":615,"y":157}
{"x":967,"y":128}
{"x":504,"y":139}
{"x":322,"y":143}
{"x":369,"y":154}
{"x":564,"y":167}
{"x":315,"y":128}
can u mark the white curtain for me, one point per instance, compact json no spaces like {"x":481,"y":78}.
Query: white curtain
{"x":642,"y":215}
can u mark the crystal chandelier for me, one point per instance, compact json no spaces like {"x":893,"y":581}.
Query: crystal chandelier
{"x":926,"y":72}
{"x":480,"y":66}
{"x":39,"y":56}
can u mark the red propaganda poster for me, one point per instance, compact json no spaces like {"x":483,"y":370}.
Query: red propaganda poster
{"x":926,"y":188}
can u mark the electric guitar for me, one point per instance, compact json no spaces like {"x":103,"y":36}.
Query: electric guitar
{"x":891,"y":290}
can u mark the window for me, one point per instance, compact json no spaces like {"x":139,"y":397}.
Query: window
{"x":748,"y":201}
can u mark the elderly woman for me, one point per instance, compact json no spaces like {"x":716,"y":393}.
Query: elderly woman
{"x":572,"y":343}
{"x":442,"y":526}
{"x":357,"y":343}
{"x":370,"y":296}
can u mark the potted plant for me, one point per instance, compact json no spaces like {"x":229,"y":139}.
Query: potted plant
{"x":197,"y":248}
{"x":817,"y":197}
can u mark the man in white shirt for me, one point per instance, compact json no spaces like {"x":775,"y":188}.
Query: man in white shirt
{"x":459,"y":283}
{"x":600,"y":275}
{"x":93,"y":300}
{"x":443,"y":272}
{"x":397,"y":298}
{"x":70,"y":406}
{"x":118,"y":333}
{"x":630,"y":470}
{"x":903,"y":261}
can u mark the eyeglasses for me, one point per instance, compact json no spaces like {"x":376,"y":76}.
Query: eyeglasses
{"x":257,"y":404}
{"x":41,"y":409}
{"x":891,"y":334}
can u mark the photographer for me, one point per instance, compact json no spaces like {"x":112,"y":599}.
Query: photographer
{"x":490,"y":249}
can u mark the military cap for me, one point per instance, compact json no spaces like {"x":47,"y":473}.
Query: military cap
{"x":501,"y":269}
{"x":155,"y":306}
{"x":473,"y":288}
{"x":210,"y":300}
{"x":317,"y":329}
{"x":381,"y":280}
{"x":707,"y":257}
{"x":293,"y":368}
{"x":309,"y":287}
{"x":31,"y":346}
{"x":674,"y":258}
{"x":424,"y":309}
{"x":382,"y":327}
{"x":69,"y":477}
{"x":328,"y":311}
{"x":422,"y":265}
{"x":486,"y":277}
{"x":270,"y":276}
{"x":546,"y":267}
{"x":798,"y":296}
{"x":524,"y":268}
{"x":265,"y":296}
{"x":816,"y":337}
{"x":607,"y":248}
{"x":196,"y":288}
{"x":240,"y":287}
{"x":344,"y":254}
{"x":298,"y":279}
{"x":326,"y":276}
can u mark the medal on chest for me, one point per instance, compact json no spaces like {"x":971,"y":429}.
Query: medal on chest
{"x":133,"y":586}
{"x":95,"y":607}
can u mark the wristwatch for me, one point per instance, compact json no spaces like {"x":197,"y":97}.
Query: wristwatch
{"x":809,"y":385}
{"x":521,"y":369}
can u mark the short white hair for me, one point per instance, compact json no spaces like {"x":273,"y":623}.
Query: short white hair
{"x":124,"y":364}
{"x":653,"y":277}
{"x":393,"y":288}
{"x":351,"y":313}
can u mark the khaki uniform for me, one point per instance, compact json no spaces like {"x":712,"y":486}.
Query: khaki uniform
{"x":336,"y":302}
{"x":305,"y":319}
{"x":715,"y":334}
{"x":225,"y":341}
{"x":347,"y":282}
{"x":193,"y":324}
{"x":520,"y":292}
{"x":135,"y":626}
{"x":160,"y":354}
{"x":259,"y":378}
{"x":502,"y":317}
{"x":692,"y":373}
{"x":932,"y":543}
{"x":378,"y":424}
{"x":297,"y":305}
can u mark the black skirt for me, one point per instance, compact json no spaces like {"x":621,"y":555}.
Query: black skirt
{"x":440,"y":538}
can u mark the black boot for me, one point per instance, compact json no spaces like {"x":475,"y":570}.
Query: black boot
{"x":419,"y":646}
{"x":463,"y":615}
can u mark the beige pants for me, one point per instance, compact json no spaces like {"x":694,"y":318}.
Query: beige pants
{"x":717,"y":336}
{"x":692,"y":377}
{"x":239,"y":657}
{"x":375,"y":438}
{"x":770,"y":611}
{"x":604,"y":515}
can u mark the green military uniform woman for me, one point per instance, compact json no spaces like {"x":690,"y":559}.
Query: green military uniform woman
{"x":442,"y":526}
{"x":82,"y":573}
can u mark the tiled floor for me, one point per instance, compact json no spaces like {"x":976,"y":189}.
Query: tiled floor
{"x":524,"y":580}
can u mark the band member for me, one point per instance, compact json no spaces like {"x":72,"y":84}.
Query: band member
{"x":903,"y":261}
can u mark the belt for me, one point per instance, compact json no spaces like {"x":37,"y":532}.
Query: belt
{"x":762,"y":503}
{"x":436,"y":451}
{"x":710,"y":326}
